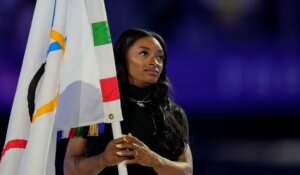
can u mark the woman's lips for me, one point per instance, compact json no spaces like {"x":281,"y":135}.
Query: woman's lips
{"x":152,"y":72}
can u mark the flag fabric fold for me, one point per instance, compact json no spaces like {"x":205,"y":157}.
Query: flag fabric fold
{"x":68,"y":80}
{"x":88,"y":84}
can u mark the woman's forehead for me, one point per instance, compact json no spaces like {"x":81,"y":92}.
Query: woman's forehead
{"x":147,"y":43}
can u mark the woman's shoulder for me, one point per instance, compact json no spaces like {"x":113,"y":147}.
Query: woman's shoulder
{"x":178,"y":112}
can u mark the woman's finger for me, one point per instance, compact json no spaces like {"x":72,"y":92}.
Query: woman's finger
{"x":125,"y":146}
{"x":119,"y":140}
{"x":130,"y":138}
{"x":126,"y":153}
{"x":136,"y":146}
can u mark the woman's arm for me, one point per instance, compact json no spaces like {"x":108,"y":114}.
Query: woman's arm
{"x":184,"y":165}
{"x":76,"y":163}
{"x":146,"y":157}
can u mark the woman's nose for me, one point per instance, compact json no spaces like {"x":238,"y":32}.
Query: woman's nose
{"x":155,"y":60}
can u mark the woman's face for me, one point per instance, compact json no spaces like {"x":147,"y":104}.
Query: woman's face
{"x":144,"y":62}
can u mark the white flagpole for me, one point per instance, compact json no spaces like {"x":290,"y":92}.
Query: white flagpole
{"x":116,"y":128}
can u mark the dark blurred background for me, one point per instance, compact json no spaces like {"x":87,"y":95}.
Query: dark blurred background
{"x":234,"y":65}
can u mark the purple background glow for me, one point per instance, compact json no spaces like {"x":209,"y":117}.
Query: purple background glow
{"x":224,"y":56}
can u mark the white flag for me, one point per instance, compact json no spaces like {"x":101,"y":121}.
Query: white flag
{"x":76,"y":86}
{"x":88,"y":83}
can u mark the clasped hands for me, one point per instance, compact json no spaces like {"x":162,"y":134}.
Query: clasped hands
{"x":130,"y":150}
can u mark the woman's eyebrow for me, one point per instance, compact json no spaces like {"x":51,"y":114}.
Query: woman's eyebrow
{"x":144,"y":47}
{"x":147,"y":48}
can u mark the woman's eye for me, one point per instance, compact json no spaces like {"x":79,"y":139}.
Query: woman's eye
{"x":160,"y":57}
{"x":143,"y":53}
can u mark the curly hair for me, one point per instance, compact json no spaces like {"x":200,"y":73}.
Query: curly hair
{"x":175,"y":125}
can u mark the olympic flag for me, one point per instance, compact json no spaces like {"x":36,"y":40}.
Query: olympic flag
{"x":68,"y":80}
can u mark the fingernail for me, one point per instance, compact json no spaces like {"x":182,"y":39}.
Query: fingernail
{"x":119,"y":153}
{"x":118,"y":145}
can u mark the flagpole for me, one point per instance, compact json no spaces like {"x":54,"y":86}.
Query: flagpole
{"x":116,"y":129}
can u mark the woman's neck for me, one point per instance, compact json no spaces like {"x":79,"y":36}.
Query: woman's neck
{"x":137,"y":92}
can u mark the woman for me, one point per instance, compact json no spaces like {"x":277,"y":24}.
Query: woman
{"x":157,"y":129}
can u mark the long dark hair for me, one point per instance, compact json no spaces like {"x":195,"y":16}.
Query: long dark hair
{"x":174,"y":126}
